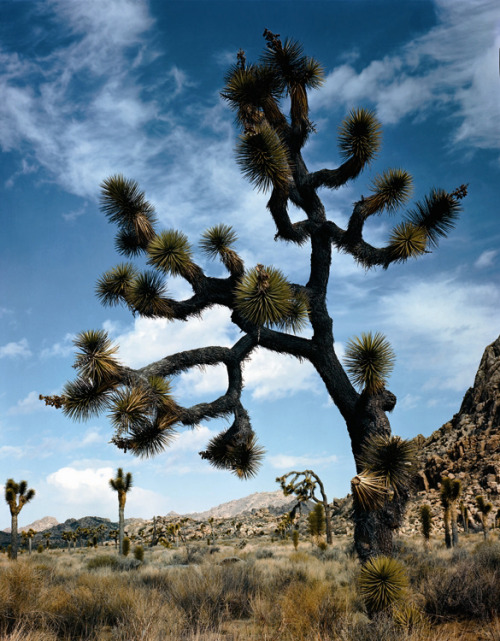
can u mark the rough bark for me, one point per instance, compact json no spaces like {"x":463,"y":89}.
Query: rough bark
{"x":13,"y":536}
{"x":121,"y":526}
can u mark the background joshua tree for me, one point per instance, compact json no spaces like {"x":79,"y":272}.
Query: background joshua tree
{"x":316,"y":524}
{"x":303,"y":486}
{"x":121,"y":484}
{"x":16,"y":496}
{"x":484,"y":511}
{"x":426,"y":522}
{"x":464,"y":511}
{"x":30,"y":534}
{"x":268,"y":309}
{"x":450,"y":492}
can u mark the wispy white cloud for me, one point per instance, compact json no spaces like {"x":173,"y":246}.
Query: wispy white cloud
{"x":11,"y":452}
{"x":487,"y":259}
{"x":443,"y":326}
{"x":61,"y":348}
{"x":16,"y":349}
{"x":285,"y":461}
{"x":28,"y":405}
{"x":454,"y":65}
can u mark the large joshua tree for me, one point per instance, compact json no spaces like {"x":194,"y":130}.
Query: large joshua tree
{"x":16,"y":496}
{"x":121,"y":484}
{"x":269,"y":310}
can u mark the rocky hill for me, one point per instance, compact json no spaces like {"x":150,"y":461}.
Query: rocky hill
{"x":273,"y":501}
{"x":39,"y":526}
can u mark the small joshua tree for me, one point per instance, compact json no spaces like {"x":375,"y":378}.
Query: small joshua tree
{"x":121,"y":484}
{"x":464,"y":511}
{"x":484,"y":511}
{"x":449,"y":494}
{"x":316,"y":521}
{"x":16,"y":496}
{"x":303,"y":486}
{"x":426,"y":522}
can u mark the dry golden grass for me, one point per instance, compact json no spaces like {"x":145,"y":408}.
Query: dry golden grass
{"x":271,"y":593}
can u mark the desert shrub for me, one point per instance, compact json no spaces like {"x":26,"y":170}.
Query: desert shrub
{"x":301,"y":611}
{"x":103,"y":561}
{"x":92,"y":602}
{"x":468,"y":589}
{"x":264,"y":553}
{"x":327,"y":553}
{"x":487,"y":554}
{"x":139,"y":553}
{"x":20,"y":586}
{"x":126,"y":546}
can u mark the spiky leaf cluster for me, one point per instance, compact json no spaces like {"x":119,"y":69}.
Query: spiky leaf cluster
{"x":113,"y":286}
{"x":95,"y":360}
{"x":217,"y":241}
{"x":84,"y":399}
{"x":382,"y":582}
{"x":263,"y":159}
{"x":125,"y":205}
{"x":242,"y":456}
{"x":390,"y":458}
{"x":369,"y":361}
{"x":147,"y":295}
{"x":122,"y":482}
{"x":14,"y":490}
{"x":253,"y":91}
{"x":450,"y":491}
{"x":264,"y":297}
{"x":436,"y":215}
{"x":170,"y":251}
{"x":291,"y":65}
{"x":407,"y":241}
{"x":484,"y":507}
{"x":360,"y":136}
{"x":426,"y":520}
{"x":369,"y":491}
{"x":390,"y":190}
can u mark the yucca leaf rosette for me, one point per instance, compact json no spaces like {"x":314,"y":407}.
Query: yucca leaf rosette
{"x":147,"y":295}
{"x":389,"y":190}
{"x":360,"y":136}
{"x":125,"y":205}
{"x":170,"y":251}
{"x":242,"y":456}
{"x":217,"y":242}
{"x":96,"y":359}
{"x":436,"y":214}
{"x":369,"y":361}
{"x":407,"y":241}
{"x":263,"y":159}
{"x":264,"y":297}
{"x":382,"y":582}
{"x":369,"y":491}
{"x":390,"y":458}
{"x":113,"y":286}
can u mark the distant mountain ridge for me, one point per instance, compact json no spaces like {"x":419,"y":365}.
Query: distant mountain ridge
{"x":255,"y":501}
{"x":39,"y":526}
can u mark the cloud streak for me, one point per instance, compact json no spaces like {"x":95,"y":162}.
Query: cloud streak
{"x":453,"y":66}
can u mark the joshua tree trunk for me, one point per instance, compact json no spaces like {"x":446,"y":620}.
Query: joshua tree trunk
{"x":454,"y":526}
{"x":447,"y":529}
{"x":29,"y":545}
{"x":13,"y":537}
{"x":121,"y":525}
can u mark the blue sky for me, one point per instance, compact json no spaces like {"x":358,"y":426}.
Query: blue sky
{"x":90,"y":89}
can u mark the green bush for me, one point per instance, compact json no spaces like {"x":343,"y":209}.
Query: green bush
{"x":382,"y":581}
{"x":126,"y":546}
{"x":106,"y":561}
{"x":139,"y":553}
